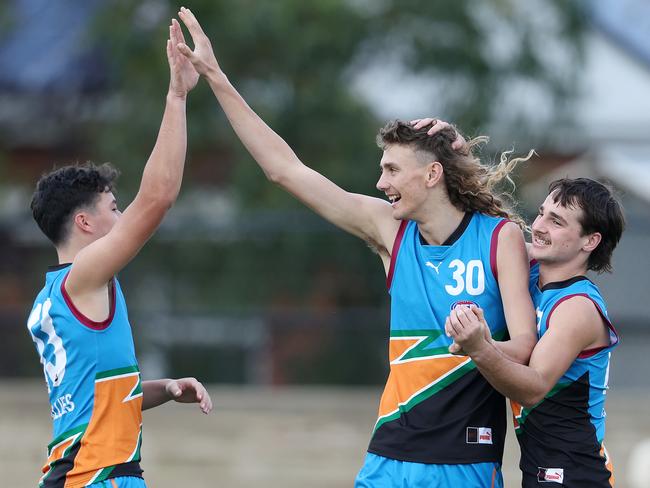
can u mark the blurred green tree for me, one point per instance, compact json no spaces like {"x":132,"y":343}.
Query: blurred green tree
{"x":298,"y":64}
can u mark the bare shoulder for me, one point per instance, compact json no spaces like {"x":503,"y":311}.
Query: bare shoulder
{"x":578,"y":316}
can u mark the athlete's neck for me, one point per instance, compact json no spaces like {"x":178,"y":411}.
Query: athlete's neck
{"x":441,"y":224}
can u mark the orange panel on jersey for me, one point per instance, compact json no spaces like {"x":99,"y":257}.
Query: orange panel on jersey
{"x":114,"y":429}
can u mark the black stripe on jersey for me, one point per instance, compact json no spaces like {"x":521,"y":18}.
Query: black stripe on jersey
{"x":57,"y":476}
{"x":558,"y":433}
{"x":57,"y":267}
{"x":555,"y":285}
{"x":435,"y":431}
{"x":127,"y":469}
{"x":60,"y":468}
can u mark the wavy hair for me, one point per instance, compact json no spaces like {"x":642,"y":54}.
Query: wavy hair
{"x":471,"y":185}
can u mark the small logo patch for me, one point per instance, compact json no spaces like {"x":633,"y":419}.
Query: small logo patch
{"x":463,"y":303}
{"x":550,"y":475}
{"x":479,"y":435}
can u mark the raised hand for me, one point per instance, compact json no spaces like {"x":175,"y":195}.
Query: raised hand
{"x":189,"y":390}
{"x":460,"y":144}
{"x":183,"y":75}
{"x":202,"y":57}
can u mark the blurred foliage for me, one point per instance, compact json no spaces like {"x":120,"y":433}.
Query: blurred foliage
{"x":294,"y":62}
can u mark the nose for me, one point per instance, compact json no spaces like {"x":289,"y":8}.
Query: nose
{"x":538,"y":224}
{"x":381,"y":183}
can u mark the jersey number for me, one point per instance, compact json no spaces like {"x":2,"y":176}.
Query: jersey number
{"x":54,"y":371}
{"x":470,"y":277}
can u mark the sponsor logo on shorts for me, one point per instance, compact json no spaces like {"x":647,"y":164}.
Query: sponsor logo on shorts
{"x":463,"y":303}
{"x":550,"y":475}
{"x":479,"y":435}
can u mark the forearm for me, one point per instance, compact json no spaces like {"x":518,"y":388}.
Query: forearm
{"x":518,"y":382}
{"x":519,"y":348}
{"x":271,"y":152}
{"x":163,"y":172}
{"x":154,"y":393}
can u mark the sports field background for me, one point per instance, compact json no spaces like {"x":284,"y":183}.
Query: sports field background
{"x":276,"y":438}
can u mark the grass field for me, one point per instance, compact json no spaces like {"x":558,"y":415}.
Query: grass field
{"x":289,"y":437}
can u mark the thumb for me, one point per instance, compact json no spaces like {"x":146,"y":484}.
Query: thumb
{"x":185,"y":51}
{"x":174,"y":390}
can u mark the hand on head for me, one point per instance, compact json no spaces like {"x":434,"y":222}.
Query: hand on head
{"x":460,"y":144}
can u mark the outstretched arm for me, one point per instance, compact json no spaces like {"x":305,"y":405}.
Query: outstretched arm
{"x":94,"y":266}
{"x":366,"y":217}
{"x":184,"y":390}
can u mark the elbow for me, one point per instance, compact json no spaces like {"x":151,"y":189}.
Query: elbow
{"x":530,"y":400}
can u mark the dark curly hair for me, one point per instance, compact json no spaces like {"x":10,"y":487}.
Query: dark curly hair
{"x":471,"y":185}
{"x":62,"y":191}
{"x":601,"y":212}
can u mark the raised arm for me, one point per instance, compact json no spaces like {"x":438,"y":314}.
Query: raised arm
{"x":366,"y":217}
{"x":574,"y":327}
{"x":94,"y":265}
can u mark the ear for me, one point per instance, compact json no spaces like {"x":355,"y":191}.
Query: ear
{"x":434,"y":173}
{"x":82,"y":222}
{"x":592,"y":241}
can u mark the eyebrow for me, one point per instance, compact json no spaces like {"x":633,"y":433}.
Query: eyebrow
{"x":556,"y":216}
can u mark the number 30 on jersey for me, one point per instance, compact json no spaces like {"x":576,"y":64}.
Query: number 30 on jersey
{"x":468,"y":277}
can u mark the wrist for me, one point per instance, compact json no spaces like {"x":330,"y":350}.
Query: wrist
{"x":216,"y":77}
{"x":483,"y":350}
{"x":174,"y":96}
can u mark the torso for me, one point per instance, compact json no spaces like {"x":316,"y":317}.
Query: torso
{"x":94,"y":387}
{"x":437,"y":408}
{"x":561,"y":438}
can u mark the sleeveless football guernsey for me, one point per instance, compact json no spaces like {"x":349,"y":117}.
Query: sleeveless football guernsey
{"x":561,"y":438}
{"x":436,"y":407}
{"x":94,"y":387}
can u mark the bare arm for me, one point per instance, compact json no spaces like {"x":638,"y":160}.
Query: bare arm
{"x":574,"y":326}
{"x":514,"y":271}
{"x":184,"y":390}
{"x":94,"y":266}
{"x":363,"y":216}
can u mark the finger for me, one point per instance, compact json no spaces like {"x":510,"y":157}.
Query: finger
{"x":461,"y":315}
{"x":191,"y":23}
{"x":454,"y":348}
{"x":178,"y":32}
{"x":414,"y":121}
{"x":169,"y":50}
{"x":422,"y":123}
{"x":437,"y":127}
{"x":479,"y":314}
{"x":447,"y":327}
{"x":455,"y":326}
{"x":459,"y":142}
{"x":186,"y":51}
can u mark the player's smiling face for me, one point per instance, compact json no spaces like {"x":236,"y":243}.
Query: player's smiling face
{"x":403,"y":180}
{"x":557,"y":233}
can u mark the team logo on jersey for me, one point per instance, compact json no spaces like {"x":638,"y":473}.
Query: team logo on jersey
{"x":479,"y":435}
{"x":431,"y":265}
{"x":463,"y":303}
{"x":550,"y":475}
